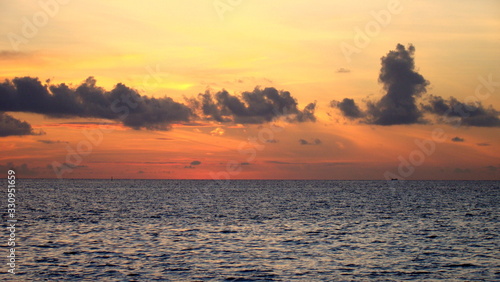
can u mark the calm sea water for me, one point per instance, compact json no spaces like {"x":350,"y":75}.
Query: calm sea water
{"x":167,"y":230}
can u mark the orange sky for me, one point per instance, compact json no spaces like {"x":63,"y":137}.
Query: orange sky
{"x":181,"y":48}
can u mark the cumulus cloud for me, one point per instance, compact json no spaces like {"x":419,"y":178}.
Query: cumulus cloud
{"x":125,"y":105}
{"x":348,"y":108}
{"x":457,"y":139}
{"x":454,"y":111}
{"x":307,"y":114}
{"x":256,"y":107}
{"x":402,"y":85}
{"x":10,"y":126}
{"x":122,"y":103}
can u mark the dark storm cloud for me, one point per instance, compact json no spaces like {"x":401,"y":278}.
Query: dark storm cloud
{"x":10,"y":126}
{"x":258,"y":106}
{"x":208,"y":107}
{"x":402,"y":85}
{"x":466,"y":114}
{"x":348,"y":108}
{"x":28,"y":94}
{"x":126,"y":105}
{"x":457,"y":139}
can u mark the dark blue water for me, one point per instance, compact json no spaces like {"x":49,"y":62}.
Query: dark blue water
{"x":146,"y":230}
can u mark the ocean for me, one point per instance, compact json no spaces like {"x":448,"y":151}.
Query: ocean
{"x":254,"y":230}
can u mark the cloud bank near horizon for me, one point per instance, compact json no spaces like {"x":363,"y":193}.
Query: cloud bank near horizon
{"x":405,"y":102}
{"x":126,"y":105}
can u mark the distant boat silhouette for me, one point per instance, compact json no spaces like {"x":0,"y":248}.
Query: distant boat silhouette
{"x":394,"y":179}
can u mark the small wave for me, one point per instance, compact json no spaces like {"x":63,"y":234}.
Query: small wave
{"x":466,"y":265}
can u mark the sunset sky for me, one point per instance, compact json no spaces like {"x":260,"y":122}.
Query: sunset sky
{"x":290,"y":89}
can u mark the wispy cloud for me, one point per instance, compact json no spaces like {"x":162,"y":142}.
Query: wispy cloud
{"x":343,"y":70}
{"x":51,"y":141}
{"x":312,"y":142}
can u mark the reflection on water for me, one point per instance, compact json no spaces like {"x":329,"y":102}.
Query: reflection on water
{"x":143,"y":230}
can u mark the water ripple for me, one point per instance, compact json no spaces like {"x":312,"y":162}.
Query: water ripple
{"x":153,"y":230}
